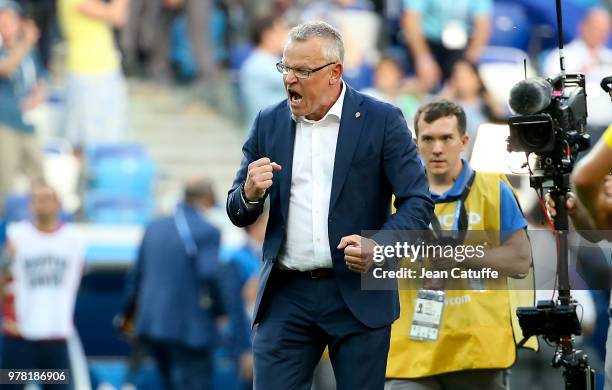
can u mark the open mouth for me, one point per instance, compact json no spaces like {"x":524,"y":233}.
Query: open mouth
{"x":294,"y":97}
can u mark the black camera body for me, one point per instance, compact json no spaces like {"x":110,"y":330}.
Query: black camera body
{"x":551,"y":122}
{"x":549,"y":319}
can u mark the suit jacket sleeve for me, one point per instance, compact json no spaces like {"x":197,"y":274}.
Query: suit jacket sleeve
{"x":406,"y":174}
{"x":237,"y":210}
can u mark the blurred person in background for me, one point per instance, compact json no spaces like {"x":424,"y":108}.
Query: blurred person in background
{"x":466,"y":88}
{"x":588,"y":54}
{"x":246,"y":263}
{"x":248,"y":260}
{"x":391,"y":87}
{"x":259,"y":82}
{"x":21,"y":89}
{"x":45,"y":263}
{"x":42,"y":12}
{"x":359,"y":26}
{"x":178,"y":291}
{"x":137,"y":37}
{"x":439,"y":33}
{"x":198,"y":14}
{"x":96,"y":94}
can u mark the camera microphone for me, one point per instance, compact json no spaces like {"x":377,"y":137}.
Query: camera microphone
{"x":530,"y":96}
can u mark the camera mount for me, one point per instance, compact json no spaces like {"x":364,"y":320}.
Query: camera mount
{"x":555,"y":134}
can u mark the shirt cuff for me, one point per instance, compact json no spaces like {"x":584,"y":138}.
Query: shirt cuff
{"x":248,"y":205}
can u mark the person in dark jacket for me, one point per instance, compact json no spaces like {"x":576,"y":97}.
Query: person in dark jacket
{"x":180,"y":292}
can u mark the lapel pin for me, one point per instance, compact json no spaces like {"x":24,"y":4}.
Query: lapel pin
{"x":357,"y":114}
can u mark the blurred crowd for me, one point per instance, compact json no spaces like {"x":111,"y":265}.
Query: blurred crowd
{"x":76,"y":55}
{"x":83,"y":55}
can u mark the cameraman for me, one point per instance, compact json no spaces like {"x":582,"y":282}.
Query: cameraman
{"x":476,"y":338}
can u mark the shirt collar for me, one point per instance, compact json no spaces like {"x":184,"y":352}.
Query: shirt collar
{"x":335,"y":110}
{"x":455,"y":191}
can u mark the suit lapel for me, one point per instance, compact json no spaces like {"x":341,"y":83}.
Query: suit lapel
{"x":351,"y":125}
{"x":284,"y":155}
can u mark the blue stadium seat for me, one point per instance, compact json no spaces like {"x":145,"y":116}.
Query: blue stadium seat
{"x":120,"y":170}
{"x":17,"y":207}
{"x":112,"y":209}
{"x":511,"y":25}
{"x":359,"y":78}
{"x":238,"y":54}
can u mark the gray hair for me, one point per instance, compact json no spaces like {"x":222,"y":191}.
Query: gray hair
{"x":333,"y":51}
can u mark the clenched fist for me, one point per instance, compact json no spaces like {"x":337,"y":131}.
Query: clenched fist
{"x":259,"y":178}
{"x":358,"y":252}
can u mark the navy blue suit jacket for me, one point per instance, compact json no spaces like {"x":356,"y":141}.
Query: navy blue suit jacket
{"x":375,"y":158}
{"x":168,"y":285}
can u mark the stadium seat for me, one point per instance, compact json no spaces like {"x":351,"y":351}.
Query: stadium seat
{"x":112,"y":209}
{"x":17,"y":207}
{"x":122,"y":170}
{"x":511,"y":25}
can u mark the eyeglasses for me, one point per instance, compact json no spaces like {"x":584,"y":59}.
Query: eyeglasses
{"x":300,"y":73}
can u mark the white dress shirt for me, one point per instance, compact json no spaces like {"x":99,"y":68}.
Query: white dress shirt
{"x":307,"y":243}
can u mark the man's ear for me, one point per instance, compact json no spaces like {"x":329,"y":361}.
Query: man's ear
{"x":336,"y":75}
{"x":464,"y":140}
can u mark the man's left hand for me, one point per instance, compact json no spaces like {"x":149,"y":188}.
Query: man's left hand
{"x":358,"y":252}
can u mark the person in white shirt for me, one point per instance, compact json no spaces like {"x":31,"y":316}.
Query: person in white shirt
{"x":589,"y":55}
{"x":45,"y":267}
{"x":258,"y":80}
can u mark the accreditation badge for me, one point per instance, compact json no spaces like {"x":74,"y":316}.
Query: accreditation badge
{"x":427,"y":316}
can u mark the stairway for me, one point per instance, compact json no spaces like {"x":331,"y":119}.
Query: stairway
{"x":185,"y":139}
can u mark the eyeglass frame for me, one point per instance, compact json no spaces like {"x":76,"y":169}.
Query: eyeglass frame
{"x":280,"y":67}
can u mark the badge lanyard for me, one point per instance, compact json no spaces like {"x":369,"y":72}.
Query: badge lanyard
{"x":429,"y":304}
{"x":191,"y":248}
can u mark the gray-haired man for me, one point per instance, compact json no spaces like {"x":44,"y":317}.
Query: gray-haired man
{"x":328,"y":159}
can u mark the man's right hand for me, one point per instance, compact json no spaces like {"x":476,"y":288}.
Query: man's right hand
{"x":570,"y":204}
{"x":259,"y":178}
